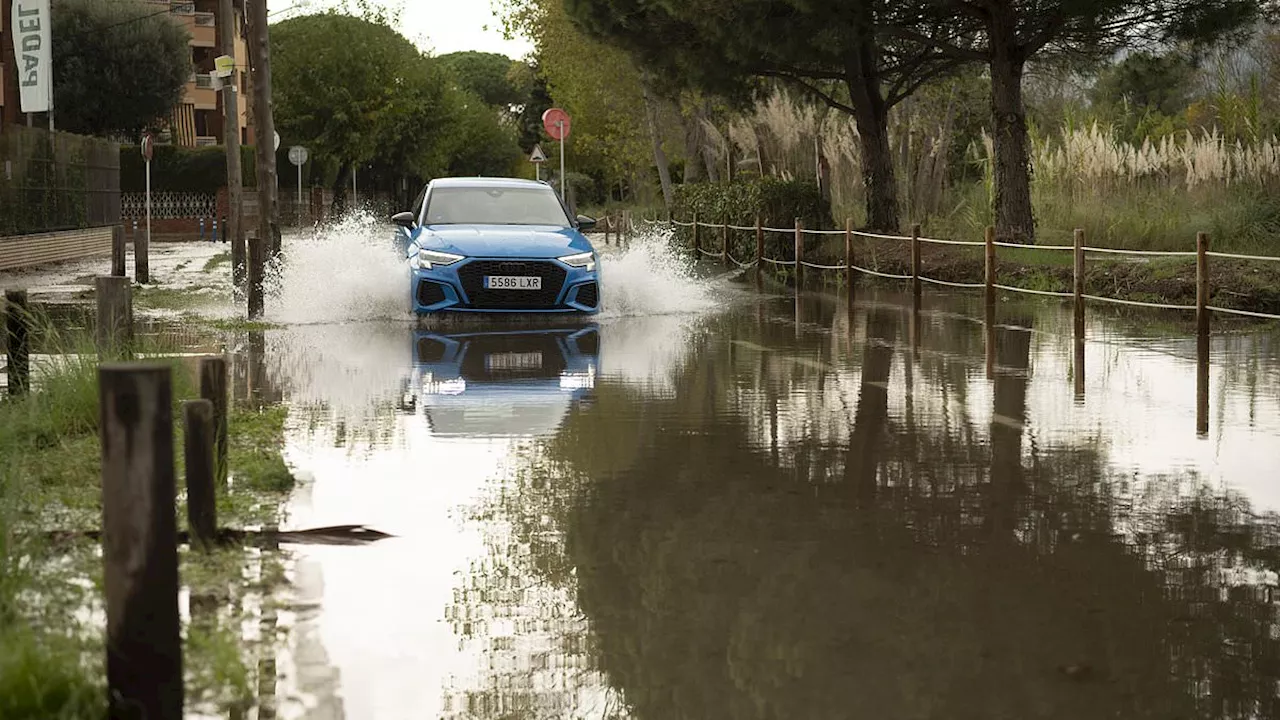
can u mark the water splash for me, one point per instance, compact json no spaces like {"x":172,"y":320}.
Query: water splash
{"x":350,"y":271}
{"x":343,"y":272}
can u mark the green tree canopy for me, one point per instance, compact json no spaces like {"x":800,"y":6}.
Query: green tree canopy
{"x":118,"y":66}
{"x":495,"y":78}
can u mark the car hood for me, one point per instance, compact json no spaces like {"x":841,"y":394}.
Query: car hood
{"x":503,"y":240}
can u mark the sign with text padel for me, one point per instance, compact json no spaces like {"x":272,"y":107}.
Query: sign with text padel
{"x":33,"y":52}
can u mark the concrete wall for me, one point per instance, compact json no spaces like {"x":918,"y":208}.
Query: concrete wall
{"x":21,"y":251}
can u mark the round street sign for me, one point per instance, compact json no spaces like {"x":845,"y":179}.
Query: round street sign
{"x":298,"y":155}
{"x":148,"y":146}
{"x":277,"y":141}
{"x":556,"y":122}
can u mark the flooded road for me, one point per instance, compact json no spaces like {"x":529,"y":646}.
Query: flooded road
{"x":775,"y":508}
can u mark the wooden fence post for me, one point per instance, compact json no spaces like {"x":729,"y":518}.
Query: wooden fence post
{"x":990,"y":274}
{"x":17,"y":328}
{"x":915,"y":262}
{"x":759,"y":247}
{"x":848,"y":253}
{"x":1202,"y":333}
{"x":1077,"y":292}
{"x":799,"y":253}
{"x":139,"y":541}
{"x":724,"y":244}
{"x":213,"y":387}
{"x":202,"y":503}
{"x":697,"y":244}
{"x":114,"y":333}
{"x":117,"y":251}
{"x":257,"y":268}
{"x":608,"y":222}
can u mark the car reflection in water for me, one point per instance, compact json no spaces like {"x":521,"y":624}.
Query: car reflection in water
{"x":513,"y":382}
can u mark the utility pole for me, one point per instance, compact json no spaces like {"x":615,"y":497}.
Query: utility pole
{"x":234,"y":229}
{"x":264,"y":125}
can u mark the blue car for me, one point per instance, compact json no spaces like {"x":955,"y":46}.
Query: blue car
{"x":497,"y":245}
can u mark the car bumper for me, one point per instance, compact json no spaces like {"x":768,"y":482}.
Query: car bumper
{"x":459,"y":288}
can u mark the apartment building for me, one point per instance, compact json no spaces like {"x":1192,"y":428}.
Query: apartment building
{"x":197,"y":120}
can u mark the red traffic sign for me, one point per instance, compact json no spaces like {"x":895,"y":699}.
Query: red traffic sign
{"x":148,"y":147}
{"x":556,"y":122}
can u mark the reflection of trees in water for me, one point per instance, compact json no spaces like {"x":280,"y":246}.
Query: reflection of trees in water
{"x":737,"y":558}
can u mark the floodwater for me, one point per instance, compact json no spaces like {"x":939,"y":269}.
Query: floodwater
{"x":714,"y":501}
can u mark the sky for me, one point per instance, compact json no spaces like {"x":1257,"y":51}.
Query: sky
{"x":440,"y":26}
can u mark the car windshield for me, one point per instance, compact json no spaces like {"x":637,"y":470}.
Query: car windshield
{"x":495,"y":206}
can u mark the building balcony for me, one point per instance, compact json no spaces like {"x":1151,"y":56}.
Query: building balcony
{"x":201,"y":25}
{"x":206,"y":140}
{"x":200,"y":93}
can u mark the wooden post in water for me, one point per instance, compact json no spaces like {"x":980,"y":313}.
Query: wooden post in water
{"x":117,"y":251}
{"x":140,"y":541}
{"x":114,"y":334}
{"x":1202,"y":334}
{"x":213,"y":387}
{"x":608,"y":222}
{"x":724,"y":244}
{"x":799,"y":253}
{"x":17,"y":328}
{"x":990,"y":274}
{"x":759,"y":249}
{"x":915,"y":263}
{"x":697,"y":244}
{"x":257,"y":269}
{"x":848,"y":254}
{"x":1077,"y":293}
{"x":202,"y":504}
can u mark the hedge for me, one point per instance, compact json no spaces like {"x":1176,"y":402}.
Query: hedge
{"x":775,"y":201}
{"x":183,"y":169}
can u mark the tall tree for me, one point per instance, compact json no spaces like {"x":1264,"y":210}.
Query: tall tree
{"x":831,"y":50}
{"x":1007,"y":34}
{"x":488,"y":75}
{"x":118,"y":66}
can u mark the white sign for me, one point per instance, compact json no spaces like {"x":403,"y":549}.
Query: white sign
{"x":538,"y":156}
{"x":33,"y":51}
{"x":277,"y":142}
{"x":298,"y":155}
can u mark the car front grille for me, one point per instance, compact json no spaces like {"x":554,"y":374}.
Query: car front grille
{"x":473,"y":273}
{"x":430,"y":293}
{"x":589,"y":295}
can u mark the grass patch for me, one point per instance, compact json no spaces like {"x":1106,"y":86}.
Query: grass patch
{"x":217,"y":261}
{"x":166,"y":298}
{"x":50,"y":657}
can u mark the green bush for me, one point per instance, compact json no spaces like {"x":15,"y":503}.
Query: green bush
{"x":778,"y":203}
{"x":183,"y":169}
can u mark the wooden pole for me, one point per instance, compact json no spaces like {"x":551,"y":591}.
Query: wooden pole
{"x":232,"y":224}
{"x":257,"y":269}
{"x":198,"y":441}
{"x":1202,"y":333}
{"x":990,"y":275}
{"x":214,"y":388}
{"x":1077,"y":292}
{"x":114,"y":333}
{"x":118,"y":251}
{"x":264,"y":128}
{"x":848,"y":254}
{"x":608,"y":223}
{"x":17,"y":328}
{"x":915,"y":263}
{"x":799,"y":253}
{"x":697,"y":244}
{"x":139,"y":541}
{"x":724,"y":244}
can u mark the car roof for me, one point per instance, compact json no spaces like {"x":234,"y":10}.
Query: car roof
{"x":487,"y":182}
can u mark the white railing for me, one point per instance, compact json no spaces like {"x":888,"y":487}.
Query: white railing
{"x":168,"y":205}
{"x":206,"y":19}
{"x":204,"y":81}
{"x":206,"y":140}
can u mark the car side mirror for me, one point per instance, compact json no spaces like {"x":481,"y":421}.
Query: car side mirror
{"x":404,"y":220}
{"x":585,"y":223}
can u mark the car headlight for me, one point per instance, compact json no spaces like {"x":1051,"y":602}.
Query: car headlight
{"x":429,"y":258}
{"x":582,"y":260}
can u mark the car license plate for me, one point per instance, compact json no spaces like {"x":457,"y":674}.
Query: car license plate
{"x":513,"y":361}
{"x":512,"y":282}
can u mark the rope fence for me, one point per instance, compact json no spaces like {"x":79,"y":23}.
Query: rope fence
{"x":1079,"y":248}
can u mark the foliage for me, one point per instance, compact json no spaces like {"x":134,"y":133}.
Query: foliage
{"x":118,"y":66}
{"x":183,"y":169}
{"x":497,"y":79}
{"x":42,"y":190}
